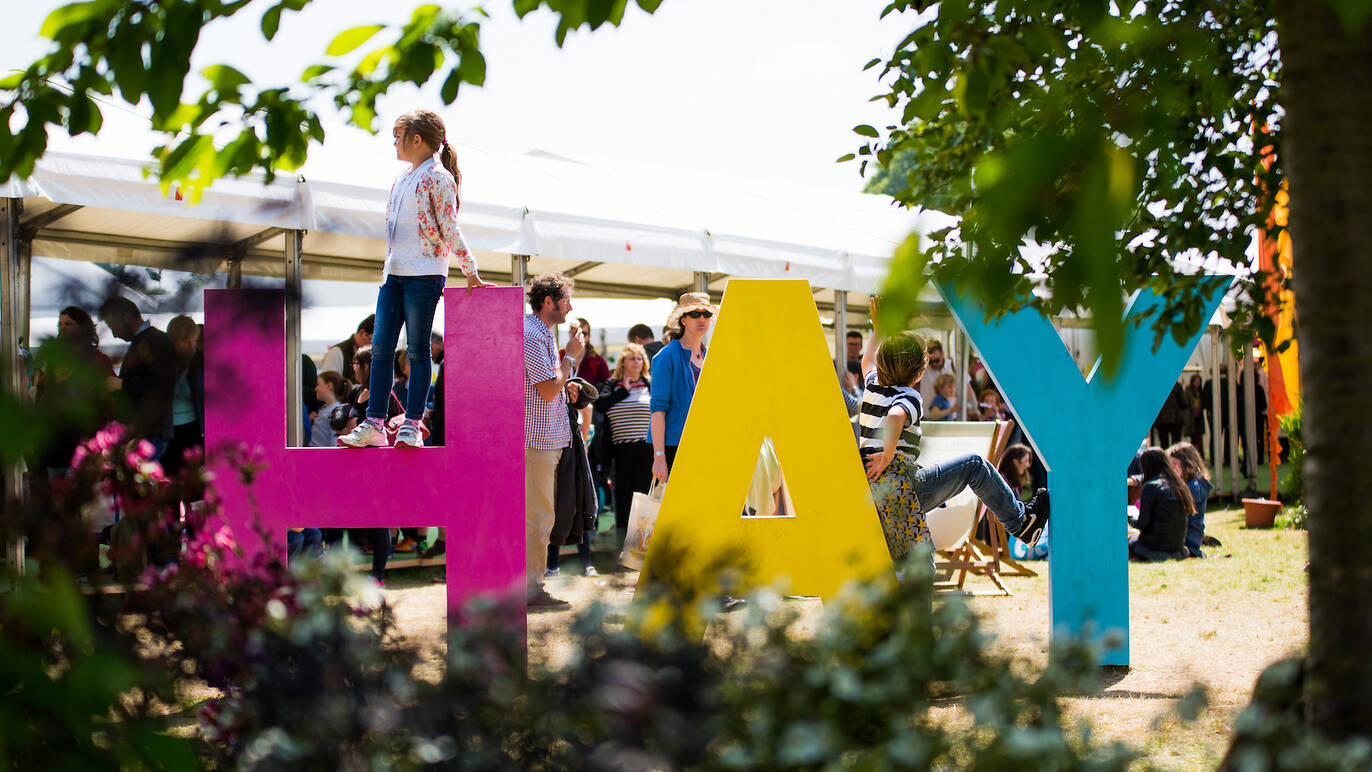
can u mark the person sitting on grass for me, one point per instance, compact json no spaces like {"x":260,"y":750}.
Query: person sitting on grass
{"x":1187,"y":462}
{"x":1164,"y":507}
{"x":889,"y":440}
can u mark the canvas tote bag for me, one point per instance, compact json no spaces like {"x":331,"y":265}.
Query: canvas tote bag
{"x":642,"y":518}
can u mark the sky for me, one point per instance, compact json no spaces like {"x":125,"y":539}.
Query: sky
{"x":759,"y":89}
{"x":765,"y":89}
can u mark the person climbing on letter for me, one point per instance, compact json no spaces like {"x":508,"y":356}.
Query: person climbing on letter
{"x":889,"y":436}
{"x":422,"y":236}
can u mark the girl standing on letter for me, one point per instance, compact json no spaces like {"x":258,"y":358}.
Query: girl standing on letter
{"x":422,"y":236}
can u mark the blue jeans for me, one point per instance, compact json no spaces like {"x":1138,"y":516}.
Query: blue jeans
{"x":937,"y":483}
{"x":1195,"y":534}
{"x":408,"y":300}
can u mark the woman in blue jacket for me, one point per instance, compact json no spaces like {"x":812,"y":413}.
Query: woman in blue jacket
{"x":676,"y":368}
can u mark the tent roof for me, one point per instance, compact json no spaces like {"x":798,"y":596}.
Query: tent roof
{"x":623,"y":232}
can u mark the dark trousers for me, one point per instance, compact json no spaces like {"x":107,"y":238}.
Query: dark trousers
{"x":184,"y":437}
{"x":379,"y":538}
{"x":633,"y":474}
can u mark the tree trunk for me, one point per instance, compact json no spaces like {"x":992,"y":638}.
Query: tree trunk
{"x":1327,"y":153}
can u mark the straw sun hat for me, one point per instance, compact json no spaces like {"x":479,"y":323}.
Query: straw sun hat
{"x":691,"y":301}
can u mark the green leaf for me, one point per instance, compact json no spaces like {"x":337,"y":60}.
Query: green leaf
{"x":316,"y":71}
{"x":12,"y":82}
{"x":69,"y":15}
{"x":349,"y":40}
{"x":450,"y":86}
{"x":271,"y":21}
{"x":224,"y":78}
{"x":845,"y":157}
{"x":472,"y":68}
{"x":865,"y":130}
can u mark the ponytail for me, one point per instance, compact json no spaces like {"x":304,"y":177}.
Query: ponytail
{"x":449,"y":160}
{"x":429,"y":126}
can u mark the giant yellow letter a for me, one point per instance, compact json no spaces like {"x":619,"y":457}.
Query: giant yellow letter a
{"x":768,"y":375}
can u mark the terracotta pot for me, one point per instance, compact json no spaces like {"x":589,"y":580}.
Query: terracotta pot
{"x":1260,"y":513}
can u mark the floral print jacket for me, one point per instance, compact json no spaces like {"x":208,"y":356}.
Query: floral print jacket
{"x":438,"y":236}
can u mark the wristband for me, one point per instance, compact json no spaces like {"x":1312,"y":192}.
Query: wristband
{"x":569,"y":361}
{"x":657,"y":453}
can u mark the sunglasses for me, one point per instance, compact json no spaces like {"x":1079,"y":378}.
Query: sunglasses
{"x":698,"y":314}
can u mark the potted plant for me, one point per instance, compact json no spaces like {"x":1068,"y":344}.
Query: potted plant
{"x":1260,"y":513}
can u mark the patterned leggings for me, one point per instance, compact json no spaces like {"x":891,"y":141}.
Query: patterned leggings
{"x":902,"y":519}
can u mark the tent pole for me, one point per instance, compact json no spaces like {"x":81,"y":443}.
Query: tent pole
{"x":236,"y":272}
{"x":1250,"y":411}
{"x":840,"y":333}
{"x":295,"y":397}
{"x":1216,"y":443}
{"x":25,"y":292}
{"x":10,"y":365}
{"x":702,"y":282}
{"x":519,"y":270}
{"x":963,"y":382}
{"x":1233,"y":411}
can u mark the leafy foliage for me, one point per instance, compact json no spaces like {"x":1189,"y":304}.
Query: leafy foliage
{"x":1120,"y":142}
{"x":1293,"y":487}
{"x":142,"y":51}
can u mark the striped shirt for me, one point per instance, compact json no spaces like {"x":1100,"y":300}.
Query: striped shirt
{"x":877,"y":401}
{"x":630,"y":417}
{"x":546,"y":426}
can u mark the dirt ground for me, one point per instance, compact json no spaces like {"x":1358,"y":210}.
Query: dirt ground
{"x":1217,"y":622}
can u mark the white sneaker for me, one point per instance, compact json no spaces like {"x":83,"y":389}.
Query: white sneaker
{"x":407,"y":436}
{"x":366,"y":435}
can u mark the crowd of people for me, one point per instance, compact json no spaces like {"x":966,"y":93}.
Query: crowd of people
{"x":594,"y":434}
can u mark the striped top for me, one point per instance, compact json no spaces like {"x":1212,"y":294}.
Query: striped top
{"x":877,"y":401}
{"x":630,"y":417}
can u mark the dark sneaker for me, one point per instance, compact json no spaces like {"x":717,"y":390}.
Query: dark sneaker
{"x":543,"y":601}
{"x":438,"y":549}
{"x":1035,"y":518}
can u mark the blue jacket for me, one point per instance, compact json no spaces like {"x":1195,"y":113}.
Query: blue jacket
{"x":673,"y":389}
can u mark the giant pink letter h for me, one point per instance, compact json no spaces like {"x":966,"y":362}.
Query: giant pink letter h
{"x":474,"y":485}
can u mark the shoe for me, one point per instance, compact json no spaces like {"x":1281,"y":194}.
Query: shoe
{"x":440,"y":579}
{"x":438,"y":549}
{"x":365,"y":435}
{"x":407,"y":436}
{"x":590,"y":571}
{"x":551,"y":572}
{"x":1035,"y":518}
{"x":407,"y":545}
{"x":545,"y":601}
{"x":728,"y":603}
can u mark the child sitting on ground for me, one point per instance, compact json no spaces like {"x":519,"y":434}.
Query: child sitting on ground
{"x":1187,"y":462}
{"x":889,"y":436}
{"x":1164,"y":507}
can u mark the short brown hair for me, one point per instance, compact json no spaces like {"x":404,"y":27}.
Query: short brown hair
{"x":182,"y":327}
{"x":900,"y":359}
{"x":548,"y":285}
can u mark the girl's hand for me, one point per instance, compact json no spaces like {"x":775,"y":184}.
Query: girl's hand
{"x":877,"y":463}
{"x":660,"y":468}
{"x":475,"y":281}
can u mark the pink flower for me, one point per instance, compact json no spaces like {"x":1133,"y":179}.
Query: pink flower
{"x":145,"y":449}
{"x":79,"y":455}
{"x":223,"y":539}
{"x":132,"y":459}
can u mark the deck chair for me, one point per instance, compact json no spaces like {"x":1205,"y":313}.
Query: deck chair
{"x":997,"y":545}
{"x":952,"y":526}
